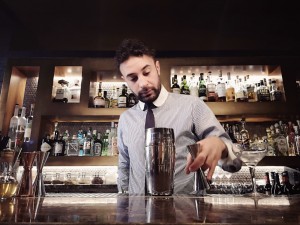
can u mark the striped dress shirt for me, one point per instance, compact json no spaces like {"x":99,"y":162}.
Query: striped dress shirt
{"x":191,"y":119}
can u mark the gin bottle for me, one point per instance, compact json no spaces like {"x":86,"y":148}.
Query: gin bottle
{"x":13,"y":124}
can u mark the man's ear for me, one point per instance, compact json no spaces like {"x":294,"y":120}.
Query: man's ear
{"x":157,"y":65}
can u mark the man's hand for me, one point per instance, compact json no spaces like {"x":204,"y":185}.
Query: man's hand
{"x":212,"y":150}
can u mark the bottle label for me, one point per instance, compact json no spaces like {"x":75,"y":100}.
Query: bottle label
{"x":221,"y":91}
{"x":230,"y":95}
{"x":27,"y":133}
{"x":176,"y":90}
{"x":122,"y":102}
{"x":114,"y":146}
{"x":202,"y":91}
{"x":58,"y":147}
{"x":45,"y":147}
{"x":97,"y":149}
{"x":99,"y":102}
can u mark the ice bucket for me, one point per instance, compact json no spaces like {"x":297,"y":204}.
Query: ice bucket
{"x":160,"y":161}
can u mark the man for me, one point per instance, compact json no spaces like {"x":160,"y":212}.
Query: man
{"x":189,"y":116}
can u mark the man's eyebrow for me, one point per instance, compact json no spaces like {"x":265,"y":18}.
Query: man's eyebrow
{"x":134,"y":74}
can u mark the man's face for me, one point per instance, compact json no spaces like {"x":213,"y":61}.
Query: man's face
{"x":142,"y":76}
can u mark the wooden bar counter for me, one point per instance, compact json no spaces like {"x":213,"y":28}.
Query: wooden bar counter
{"x":109,"y":208}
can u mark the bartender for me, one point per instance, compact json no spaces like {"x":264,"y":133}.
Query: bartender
{"x":190,"y":118}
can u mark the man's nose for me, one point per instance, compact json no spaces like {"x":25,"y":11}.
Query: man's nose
{"x":143,"y":82}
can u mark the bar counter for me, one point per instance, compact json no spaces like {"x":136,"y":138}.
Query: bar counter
{"x":87,"y":209}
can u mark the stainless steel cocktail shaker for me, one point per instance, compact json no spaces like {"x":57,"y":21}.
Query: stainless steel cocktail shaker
{"x":160,"y":161}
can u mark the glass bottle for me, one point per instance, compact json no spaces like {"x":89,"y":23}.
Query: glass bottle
{"x":275,"y":189}
{"x":13,"y":125}
{"x":184,"y":89}
{"x":99,"y":101}
{"x":211,"y":89}
{"x":230,"y":92}
{"x":114,"y":98}
{"x":280,"y":143}
{"x":58,"y":144}
{"x":21,"y":128}
{"x":107,"y":101}
{"x":263,"y":93}
{"x":46,"y":145}
{"x":132,"y":99}
{"x":296,"y":185}
{"x":221,"y":89}
{"x":97,"y":145}
{"x":122,"y":99}
{"x":271,"y":151}
{"x":202,"y":88}
{"x":175,"y":87}
{"x":251,"y":90}
{"x":193,"y":86}
{"x":244,"y":134}
{"x":73,"y":146}
{"x":297,"y":141}
{"x":88,"y":143}
{"x":105,"y":143}
{"x":27,"y":133}
{"x":286,"y":187}
{"x":267,"y":187}
{"x":275,"y":93}
{"x":241,"y":94}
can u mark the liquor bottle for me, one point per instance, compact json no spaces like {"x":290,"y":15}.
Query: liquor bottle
{"x":271,"y":150}
{"x":46,"y":145}
{"x":230,"y":92}
{"x":290,"y":137}
{"x":114,"y":140}
{"x":122,"y":99}
{"x":21,"y":128}
{"x":241,"y":94}
{"x":263,"y":92}
{"x":75,"y":92}
{"x":105,"y":143}
{"x":193,"y":86}
{"x":202,"y":88}
{"x":72,"y":146}
{"x":88,"y":144}
{"x":244,"y":134}
{"x":275,"y":93}
{"x":175,"y":87}
{"x":97,"y":145}
{"x":114,"y":98}
{"x":267,"y":187}
{"x":184,"y":89}
{"x":297,"y":141}
{"x":107,"y":101}
{"x":211,"y":89}
{"x":58,"y":145}
{"x":13,"y":125}
{"x":296,"y":185}
{"x":221,"y":89}
{"x":286,"y":187}
{"x":28,"y":126}
{"x":132,"y":99}
{"x":251,"y":90}
{"x":280,"y":143}
{"x":99,"y":101}
{"x":231,"y":134}
{"x":275,"y":189}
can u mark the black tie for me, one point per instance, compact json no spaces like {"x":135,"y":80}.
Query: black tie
{"x":150,"y":121}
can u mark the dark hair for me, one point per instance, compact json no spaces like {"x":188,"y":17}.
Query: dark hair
{"x":132,"y":47}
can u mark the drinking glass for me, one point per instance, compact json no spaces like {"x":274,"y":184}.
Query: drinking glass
{"x":251,"y":154}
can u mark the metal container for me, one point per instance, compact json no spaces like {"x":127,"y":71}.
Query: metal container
{"x":160,"y":161}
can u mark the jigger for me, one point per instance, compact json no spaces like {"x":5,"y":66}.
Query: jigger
{"x":200,"y":184}
{"x":26,"y":187}
{"x":39,"y":187}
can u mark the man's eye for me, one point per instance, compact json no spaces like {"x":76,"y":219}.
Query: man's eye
{"x":133,"y":79}
{"x":146,"y":73}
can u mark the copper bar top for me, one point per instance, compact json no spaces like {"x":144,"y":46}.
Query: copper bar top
{"x":94,"y":209}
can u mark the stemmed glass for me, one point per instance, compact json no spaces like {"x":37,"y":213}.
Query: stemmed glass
{"x":251,"y":154}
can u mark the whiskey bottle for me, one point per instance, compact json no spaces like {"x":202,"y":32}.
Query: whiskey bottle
{"x":122,"y":99}
{"x":230,"y":92}
{"x":175,"y":87}
{"x":263,"y":92}
{"x":99,"y":101}
{"x":13,"y":125}
{"x":211,"y":89}
{"x":221,"y":89}
{"x":202,"y":88}
{"x":28,"y":126}
{"x":251,"y":90}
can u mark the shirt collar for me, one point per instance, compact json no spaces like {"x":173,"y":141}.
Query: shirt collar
{"x":162,"y":97}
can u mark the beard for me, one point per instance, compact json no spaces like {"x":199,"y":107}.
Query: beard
{"x":148,"y":95}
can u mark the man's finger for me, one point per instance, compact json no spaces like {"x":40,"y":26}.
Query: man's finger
{"x":211,"y":171}
{"x":198,"y":162}
{"x":189,"y":161}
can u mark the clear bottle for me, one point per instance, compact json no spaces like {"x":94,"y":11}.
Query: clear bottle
{"x":72,"y":146}
{"x":244,"y":134}
{"x":230,"y":91}
{"x":21,"y":128}
{"x":280,"y":143}
{"x":241,"y":94}
{"x":27,"y":133}
{"x":99,"y":101}
{"x":290,"y":137}
{"x":251,"y":90}
{"x":114,"y":98}
{"x":175,"y":87}
{"x":263,"y":92}
{"x":122,"y":99}
{"x":202,"y":88}
{"x":193,"y":86}
{"x":211,"y":89}
{"x":221,"y":89}
{"x":271,"y":150}
{"x":275,"y":93}
{"x":58,"y":144}
{"x":105,"y":143}
{"x":13,"y":125}
{"x":297,"y":141}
